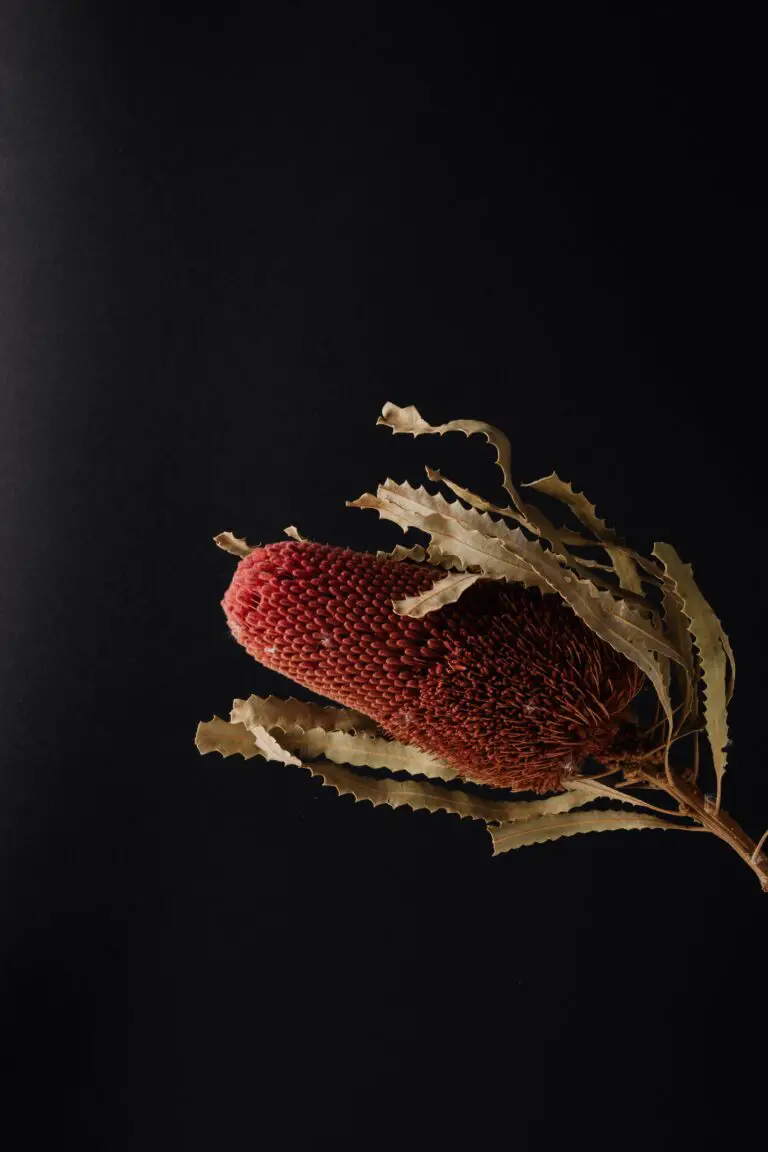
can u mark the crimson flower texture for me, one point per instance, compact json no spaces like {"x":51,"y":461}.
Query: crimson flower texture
{"x":506,"y":684}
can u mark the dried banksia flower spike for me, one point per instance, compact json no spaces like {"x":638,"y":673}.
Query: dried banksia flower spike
{"x":504,"y":651}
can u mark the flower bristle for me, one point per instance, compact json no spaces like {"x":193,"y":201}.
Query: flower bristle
{"x":506,"y":684}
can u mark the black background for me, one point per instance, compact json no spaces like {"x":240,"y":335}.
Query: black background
{"x":226,"y":240}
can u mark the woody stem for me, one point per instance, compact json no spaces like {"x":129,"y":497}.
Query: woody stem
{"x":693,"y":803}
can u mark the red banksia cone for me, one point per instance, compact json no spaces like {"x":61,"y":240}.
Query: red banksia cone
{"x":506,"y":684}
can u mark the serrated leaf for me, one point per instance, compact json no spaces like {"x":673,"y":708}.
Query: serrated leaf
{"x":229,"y":739}
{"x":622,"y":558}
{"x":409,"y":420}
{"x":470,"y":536}
{"x":715,"y":653}
{"x":400,"y":552}
{"x":413,"y":793}
{"x":472,"y":497}
{"x":445,"y":591}
{"x":291,"y":714}
{"x":510,"y":836}
{"x":677,"y":629}
{"x":236,"y":545}
{"x":364,"y":751}
{"x":597,"y":788}
{"x":270,"y":747}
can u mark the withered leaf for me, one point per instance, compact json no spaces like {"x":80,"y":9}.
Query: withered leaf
{"x":367,"y":751}
{"x":472,"y":498}
{"x":401,"y":552}
{"x":294,"y":533}
{"x":236,"y":545}
{"x":715,"y":653}
{"x":409,"y":420}
{"x":290,"y":714}
{"x":680,"y":638}
{"x":414,"y":793}
{"x":229,"y":739}
{"x":445,"y":591}
{"x":455,"y":531}
{"x":269,"y":747}
{"x":622,"y":558}
{"x":510,"y":836}
{"x":596,"y":788}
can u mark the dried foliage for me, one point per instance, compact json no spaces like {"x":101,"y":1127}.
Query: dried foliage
{"x":647,"y":608}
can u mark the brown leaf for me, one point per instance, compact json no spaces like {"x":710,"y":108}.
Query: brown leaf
{"x":510,"y":836}
{"x":715,"y":653}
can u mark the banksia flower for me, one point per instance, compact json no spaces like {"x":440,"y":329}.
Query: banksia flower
{"x":505,"y":652}
{"x":506,"y":684}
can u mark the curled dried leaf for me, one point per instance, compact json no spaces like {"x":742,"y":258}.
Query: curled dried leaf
{"x":236,"y":545}
{"x":445,"y":591}
{"x":715,"y":654}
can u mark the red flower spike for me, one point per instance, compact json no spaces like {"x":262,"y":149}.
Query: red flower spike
{"x":506,"y":684}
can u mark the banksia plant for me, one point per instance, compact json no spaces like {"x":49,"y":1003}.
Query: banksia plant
{"x":504,"y":651}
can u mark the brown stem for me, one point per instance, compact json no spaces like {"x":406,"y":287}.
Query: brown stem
{"x":694,"y":804}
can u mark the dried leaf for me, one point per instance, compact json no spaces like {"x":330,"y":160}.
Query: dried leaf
{"x":400,"y":552}
{"x":291,"y":715}
{"x":367,"y":751}
{"x":510,"y":836}
{"x":519,"y":811}
{"x":445,"y":591}
{"x":270,"y":747}
{"x":236,"y":545}
{"x":414,"y":793}
{"x":714,"y":653}
{"x":219,"y":735}
{"x":596,"y":788}
{"x":680,"y":638}
{"x":294,"y":533}
{"x":622,"y":558}
{"x":409,"y":420}
{"x":472,"y":498}
{"x":469,"y":536}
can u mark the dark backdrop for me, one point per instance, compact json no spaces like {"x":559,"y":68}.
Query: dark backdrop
{"x":227,"y":239}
